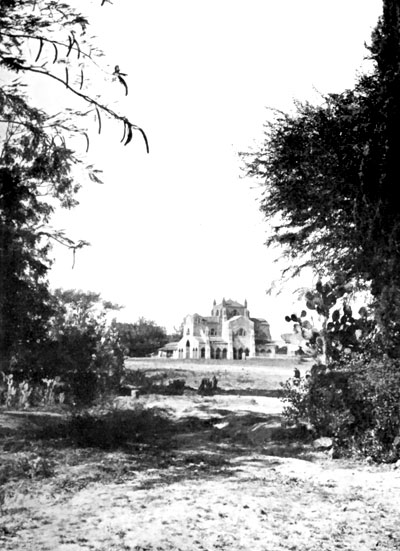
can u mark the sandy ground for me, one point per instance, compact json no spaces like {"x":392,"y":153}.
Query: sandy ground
{"x":210,"y":493}
{"x":255,"y":374}
{"x":215,"y":406}
{"x":260,"y":503}
{"x":227,"y":478}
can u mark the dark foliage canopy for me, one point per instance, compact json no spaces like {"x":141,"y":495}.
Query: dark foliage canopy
{"x":330,"y":172}
{"x":48,"y":39}
{"x":141,"y":338}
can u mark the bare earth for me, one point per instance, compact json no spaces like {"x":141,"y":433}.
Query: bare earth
{"x":228,"y":479}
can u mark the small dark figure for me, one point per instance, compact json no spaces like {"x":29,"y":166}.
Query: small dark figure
{"x":214,"y":383}
{"x":206,"y":386}
{"x":296,"y":376}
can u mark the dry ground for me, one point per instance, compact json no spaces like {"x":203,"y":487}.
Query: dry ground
{"x":218,"y":473}
{"x":255,"y":374}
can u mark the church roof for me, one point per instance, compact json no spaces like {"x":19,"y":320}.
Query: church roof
{"x":170,"y":346}
{"x":232,"y":303}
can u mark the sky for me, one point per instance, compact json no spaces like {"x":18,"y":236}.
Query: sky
{"x":173,"y":230}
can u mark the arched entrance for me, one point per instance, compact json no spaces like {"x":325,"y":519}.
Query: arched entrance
{"x":187,"y":350}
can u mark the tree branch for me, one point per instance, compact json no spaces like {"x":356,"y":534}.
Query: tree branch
{"x":91,"y":101}
{"x":56,"y":43}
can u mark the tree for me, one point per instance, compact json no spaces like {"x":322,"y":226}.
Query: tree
{"x":330,"y":172}
{"x":34,"y":169}
{"x":176,"y":334}
{"x":64,"y":55}
{"x":37,"y":158}
{"x":141,"y":338}
{"x":24,"y":297}
{"x":83,"y":348}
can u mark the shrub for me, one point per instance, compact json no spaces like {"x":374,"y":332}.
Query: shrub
{"x":375,"y":386}
{"x":175,"y":387}
{"x":154,"y":384}
{"x":138,"y":378}
{"x":357,"y":403}
{"x":25,"y":465}
{"x":353,"y":393}
{"x":116,"y":428}
{"x":81,"y":351}
{"x":84,"y":349}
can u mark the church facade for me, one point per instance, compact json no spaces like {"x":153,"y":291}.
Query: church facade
{"x":228,"y":333}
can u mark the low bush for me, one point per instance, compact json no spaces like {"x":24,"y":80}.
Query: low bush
{"x":357,"y":403}
{"x":114,"y":428}
{"x":175,"y":387}
{"x":25,"y":465}
{"x":154,"y":384}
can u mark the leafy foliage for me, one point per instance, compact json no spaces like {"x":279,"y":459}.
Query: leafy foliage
{"x":25,"y":465}
{"x":24,"y":296}
{"x":354,"y":394}
{"x":340,"y":333}
{"x":84,"y":348}
{"x":329,"y":175}
{"x":357,"y":402}
{"x":141,"y":338}
{"x":49,"y":38}
{"x":46,"y":38}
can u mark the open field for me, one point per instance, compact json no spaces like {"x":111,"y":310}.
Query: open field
{"x":254,"y":375}
{"x":188,"y":472}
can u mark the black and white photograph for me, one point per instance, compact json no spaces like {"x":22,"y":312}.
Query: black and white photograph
{"x":199,"y":275}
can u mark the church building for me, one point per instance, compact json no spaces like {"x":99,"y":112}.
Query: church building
{"x":229,"y":333}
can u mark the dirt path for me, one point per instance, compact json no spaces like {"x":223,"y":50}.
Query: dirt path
{"x":212,"y":490}
{"x":261,"y":503}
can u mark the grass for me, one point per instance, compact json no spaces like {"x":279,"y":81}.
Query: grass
{"x":256,"y":375}
{"x":36,"y":445}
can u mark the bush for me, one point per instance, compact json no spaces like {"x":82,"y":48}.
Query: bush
{"x":376,"y":387}
{"x":81,"y":351}
{"x":84,"y":349}
{"x":154,"y":384}
{"x":175,"y":387}
{"x":25,"y":465}
{"x":357,"y":403}
{"x":117,"y":428}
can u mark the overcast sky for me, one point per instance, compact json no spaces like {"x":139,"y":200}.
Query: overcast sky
{"x":173,"y":230}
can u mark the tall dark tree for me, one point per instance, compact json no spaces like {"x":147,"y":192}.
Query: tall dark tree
{"x":380,"y":172}
{"x":48,"y":39}
{"x":33,"y":168}
{"x":330,"y":174}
